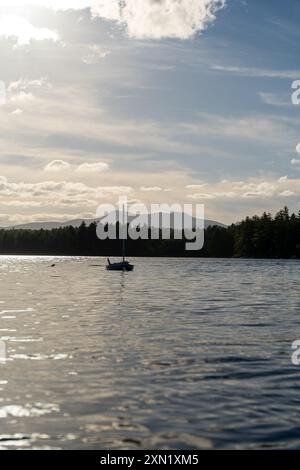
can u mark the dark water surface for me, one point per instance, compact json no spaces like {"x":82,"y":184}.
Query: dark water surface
{"x":180,"y":354}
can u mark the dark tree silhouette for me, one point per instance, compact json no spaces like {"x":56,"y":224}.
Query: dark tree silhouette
{"x":254,"y":237}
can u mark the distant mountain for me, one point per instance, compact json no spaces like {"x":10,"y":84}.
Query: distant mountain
{"x":48,"y":225}
{"x":77,"y":222}
{"x":213,"y":223}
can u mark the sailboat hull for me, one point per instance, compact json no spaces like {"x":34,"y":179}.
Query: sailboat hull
{"x":120,"y":267}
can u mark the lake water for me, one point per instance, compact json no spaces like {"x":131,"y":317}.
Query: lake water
{"x":179,"y":354}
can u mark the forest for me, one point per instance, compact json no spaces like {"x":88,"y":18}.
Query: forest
{"x":254,"y":237}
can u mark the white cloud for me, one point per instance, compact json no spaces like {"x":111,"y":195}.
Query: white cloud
{"x":255,"y":189}
{"x":57,"y":165}
{"x":156,"y":19}
{"x":200,"y":196}
{"x":257,"y":72}
{"x":55,"y":4}
{"x":150,"y":188}
{"x":227,"y":195}
{"x":61,"y":165}
{"x":92,"y":167}
{"x":251,"y":189}
{"x":55,"y":193}
{"x":260,"y":190}
{"x":22,"y":97}
{"x":195,"y":186}
{"x":17,"y":112}
{"x":24,"y":84}
{"x":153,"y":19}
{"x":287,"y":193}
{"x":96,"y":54}
{"x":21,"y":91}
{"x":24,"y":32}
{"x":273,"y":99}
{"x":298,"y":148}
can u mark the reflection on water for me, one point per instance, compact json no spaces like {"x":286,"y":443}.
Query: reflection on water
{"x":181,"y":354}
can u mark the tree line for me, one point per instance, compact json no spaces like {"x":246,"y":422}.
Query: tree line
{"x":253,"y":237}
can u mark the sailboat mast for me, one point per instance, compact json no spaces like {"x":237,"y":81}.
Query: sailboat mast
{"x":123,"y":250}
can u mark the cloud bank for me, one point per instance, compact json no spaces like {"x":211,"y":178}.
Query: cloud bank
{"x":23,"y":31}
{"x":157,"y":19}
{"x":92,"y":167}
{"x":57,"y":194}
{"x":143,"y":19}
{"x":57,"y":165}
{"x":55,"y":4}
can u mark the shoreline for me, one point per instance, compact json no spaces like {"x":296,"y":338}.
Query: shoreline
{"x":78,"y":255}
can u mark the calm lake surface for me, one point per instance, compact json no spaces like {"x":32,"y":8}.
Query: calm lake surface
{"x":179,"y":354}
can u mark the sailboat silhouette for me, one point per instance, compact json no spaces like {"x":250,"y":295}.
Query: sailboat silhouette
{"x":123,"y":265}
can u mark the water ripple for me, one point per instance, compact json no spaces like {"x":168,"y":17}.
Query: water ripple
{"x":182,"y":354}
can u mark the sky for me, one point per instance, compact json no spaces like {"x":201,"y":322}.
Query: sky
{"x":164,"y":101}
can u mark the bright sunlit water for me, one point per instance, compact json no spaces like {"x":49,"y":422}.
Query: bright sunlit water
{"x":179,"y":354}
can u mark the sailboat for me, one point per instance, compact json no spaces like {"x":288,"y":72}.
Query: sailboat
{"x":122,"y":266}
